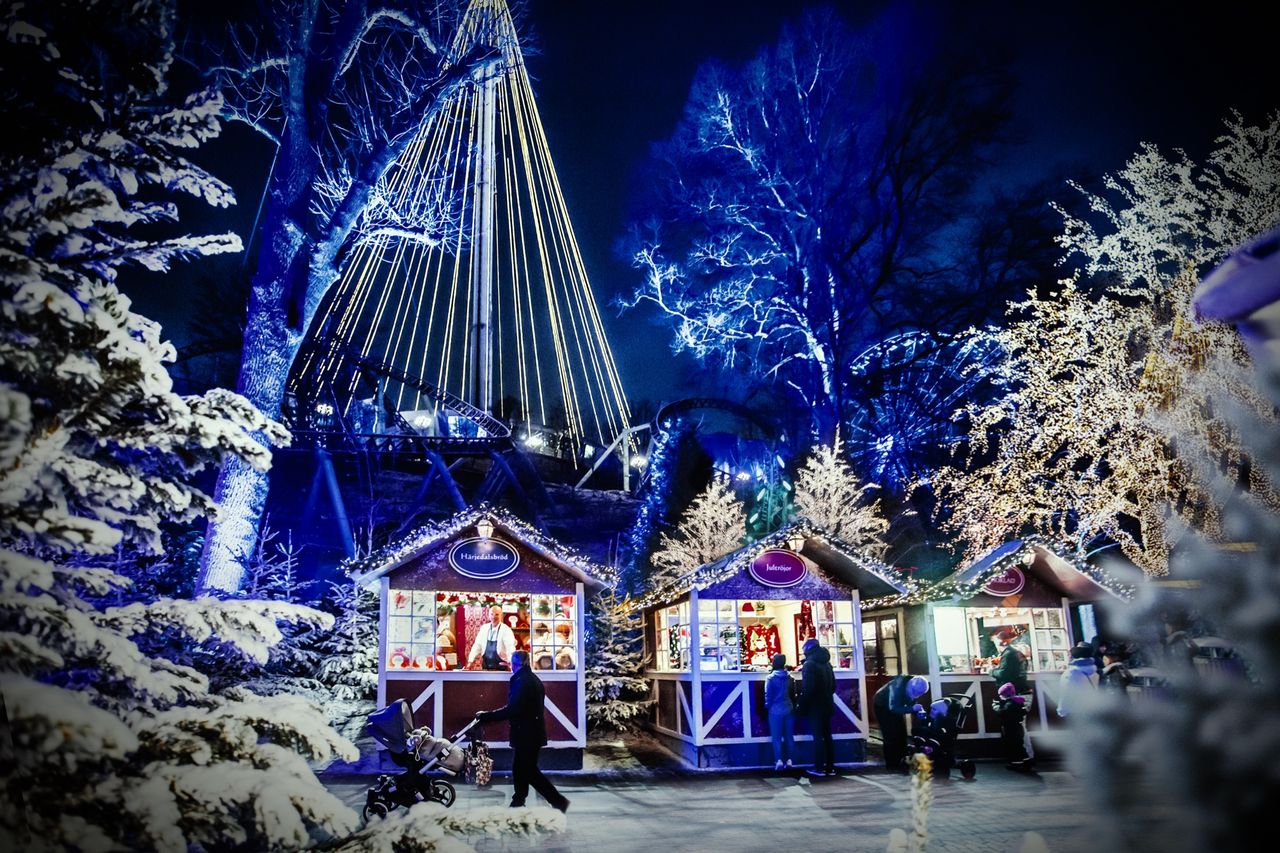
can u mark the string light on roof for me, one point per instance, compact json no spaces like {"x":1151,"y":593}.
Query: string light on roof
{"x":497,"y":306}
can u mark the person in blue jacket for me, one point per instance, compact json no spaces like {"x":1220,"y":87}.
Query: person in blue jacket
{"x":782,"y":720}
{"x":893,"y":701}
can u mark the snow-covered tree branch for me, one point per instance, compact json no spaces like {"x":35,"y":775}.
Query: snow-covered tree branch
{"x":343,"y":89}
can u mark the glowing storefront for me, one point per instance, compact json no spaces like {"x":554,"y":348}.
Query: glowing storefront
{"x":712,"y":635}
{"x":438,"y":589}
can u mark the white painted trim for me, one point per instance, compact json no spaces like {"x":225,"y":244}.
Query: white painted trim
{"x":736,"y":693}
{"x":384,"y":589}
{"x":582,"y":667}
{"x":695,"y":666}
{"x":461,"y":675}
{"x":576,"y":731}
{"x":719,"y":741}
{"x":864,"y":722}
{"x":931,"y":649}
{"x":667,"y":731}
{"x":683,"y":710}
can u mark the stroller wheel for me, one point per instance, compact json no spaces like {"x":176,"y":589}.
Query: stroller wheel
{"x":442,"y":792}
{"x":375,"y":809}
{"x":968,"y":770}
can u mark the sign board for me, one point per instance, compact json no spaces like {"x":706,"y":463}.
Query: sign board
{"x":778,"y":568}
{"x":483,"y":559}
{"x":1009,"y":582}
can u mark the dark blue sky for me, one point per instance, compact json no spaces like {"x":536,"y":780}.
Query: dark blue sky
{"x":611,"y":76}
{"x":1094,"y":80}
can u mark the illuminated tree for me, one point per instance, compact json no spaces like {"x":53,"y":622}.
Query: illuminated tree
{"x":1209,"y":746}
{"x":110,"y":745}
{"x":831,"y":495}
{"x":617,"y":691}
{"x":339,"y":88}
{"x":713,"y":525}
{"x":798,"y":206}
{"x":1078,"y":448}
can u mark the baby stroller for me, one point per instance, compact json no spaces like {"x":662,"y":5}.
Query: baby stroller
{"x":936,"y":736}
{"x":419,"y":753}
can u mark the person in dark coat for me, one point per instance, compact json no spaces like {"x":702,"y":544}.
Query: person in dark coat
{"x":524,"y":714}
{"x":893,"y":701}
{"x":1011,"y":710}
{"x":1115,"y":674}
{"x":817,"y":702}
{"x":1012,"y":669}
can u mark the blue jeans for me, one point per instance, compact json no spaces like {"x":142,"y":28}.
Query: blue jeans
{"x":782,"y":728}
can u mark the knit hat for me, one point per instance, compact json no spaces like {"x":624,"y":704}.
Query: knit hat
{"x":1081,"y":650}
{"x":809,"y":644}
{"x":938,"y":709}
{"x":917,"y":686}
{"x":779,"y":661}
{"x":1007,"y":690}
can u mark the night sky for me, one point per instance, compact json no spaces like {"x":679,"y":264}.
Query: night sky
{"x":1094,"y":79}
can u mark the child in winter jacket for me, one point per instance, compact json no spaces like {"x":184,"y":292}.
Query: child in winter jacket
{"x":782,"y":722}
{"x":1078,"y":680}
{"x":1012,"y":711}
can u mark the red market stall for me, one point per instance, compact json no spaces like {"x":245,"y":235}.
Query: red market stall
{"x":1031,"y":587}
{"x":437,"y":588}
{"x":712,"y":634}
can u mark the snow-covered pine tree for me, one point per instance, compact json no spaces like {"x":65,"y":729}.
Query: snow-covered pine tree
{"x":617,"y":691}
{"x":1196,"y":771}
{"x":112,"y":747}
{"x":829,"y":494}
{"x":713,"y":525}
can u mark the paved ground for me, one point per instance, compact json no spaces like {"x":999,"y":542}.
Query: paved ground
{"x":672,"y":810}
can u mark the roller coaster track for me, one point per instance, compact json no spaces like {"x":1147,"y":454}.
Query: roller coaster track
{"x":408,"y":438}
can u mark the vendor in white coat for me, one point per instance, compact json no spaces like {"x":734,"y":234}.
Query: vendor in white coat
{"x":494,"y":644}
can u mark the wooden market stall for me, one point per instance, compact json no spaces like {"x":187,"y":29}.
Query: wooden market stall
{"x":1032,"y":587}
{"x":711,"y":636}
{"x":437,"y":588}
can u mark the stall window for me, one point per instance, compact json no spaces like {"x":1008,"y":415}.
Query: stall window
{"x":833,"y":621}
{"x":411,"y":629}
{"x":964,"y":637}
{"x":673,"y":637}
{"x":553,"y":638}
{"x":881,"y":653}
{"x":719,"y":644}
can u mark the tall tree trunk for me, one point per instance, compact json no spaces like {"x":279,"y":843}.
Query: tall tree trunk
{"x":271,"y":342}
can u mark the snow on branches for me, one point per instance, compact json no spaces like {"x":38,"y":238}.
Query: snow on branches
{"x":1072,"y":450}
{"x":829,"y":494}
{"x":1158,"y":216}
{"x":617,"y":691}
{"x":1210,"y":746}
{"x":713,"y":525}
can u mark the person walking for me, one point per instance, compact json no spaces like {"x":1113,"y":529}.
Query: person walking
{"x":893,"y":701}
{"x":1078,"y":680}
{"x":782,"y":721}
{"x":494,"y":644}
{"x":817,"y":702}
{"x":524,"y":714}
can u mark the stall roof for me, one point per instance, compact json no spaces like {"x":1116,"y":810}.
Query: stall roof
{"x":1050,"y":562}
{"x":365,"y":570}
{"x":835,"y":559}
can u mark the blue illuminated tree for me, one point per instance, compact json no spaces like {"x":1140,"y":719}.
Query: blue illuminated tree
{"x":339,"y":89}
{"x":798,"y":210}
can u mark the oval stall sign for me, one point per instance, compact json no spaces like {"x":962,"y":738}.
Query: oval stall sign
{"x":1008,"y":582}
{"x":778,"y":568}
{"x":483,"y":559}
